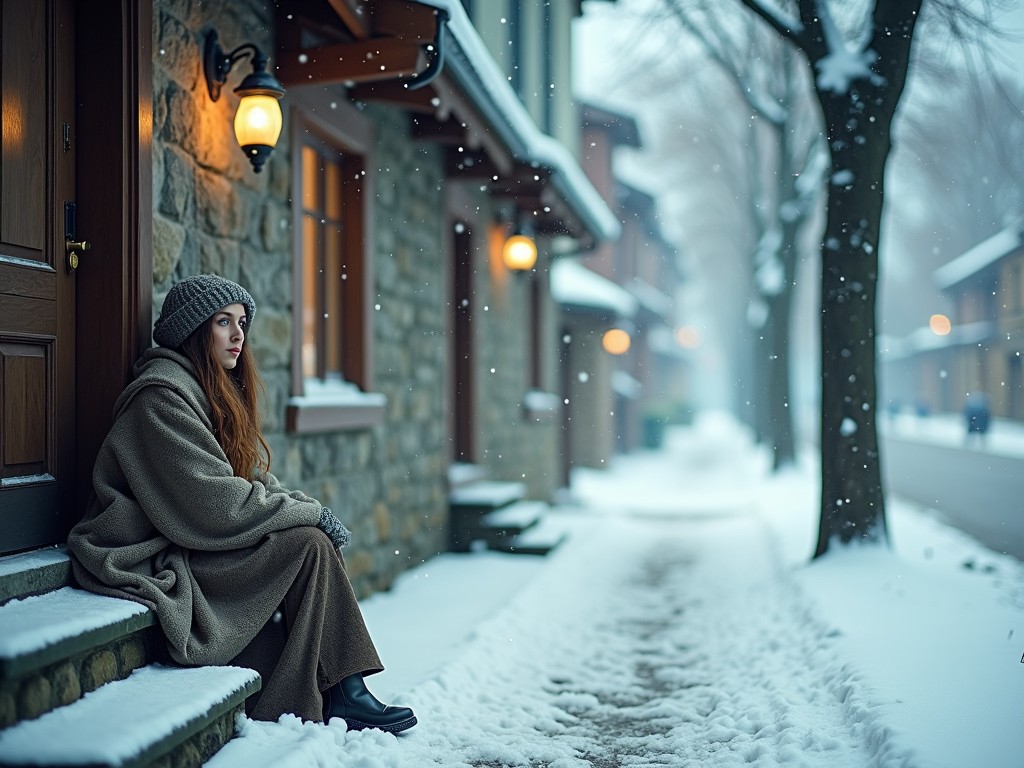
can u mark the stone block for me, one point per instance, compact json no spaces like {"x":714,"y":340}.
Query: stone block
{"x":382,"y":521}
{"x":219,"y":206}
{"x":97,"y":669}
{"x":176,"y":188}
{"x":8,"y":709}
{"x":267,"y":280}
{"x":219,"y":256}
{"x":358,"y":563}
{"x":65,"y":684}
{"x":35,"y":697}
{"x":182,"y":117}
{"x":131,"y":654}
{"x":177,"y":52}
{"x":271,"y":338}
{"x":168,"y":243}
{"x":275,"y":229}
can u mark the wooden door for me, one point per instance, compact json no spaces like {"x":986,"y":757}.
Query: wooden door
{"x":37,"y":290}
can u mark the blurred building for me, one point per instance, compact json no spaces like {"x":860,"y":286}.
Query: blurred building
{"x":978,"y":348}
{"x":624,"y":369}
{"x":403,"y":356}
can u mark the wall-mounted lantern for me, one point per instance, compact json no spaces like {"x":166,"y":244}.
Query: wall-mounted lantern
{"x":616,"y":341}
{"x":519,"y":253}
{"x":258,"y":119}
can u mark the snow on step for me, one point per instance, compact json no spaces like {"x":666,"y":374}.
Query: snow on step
{"x":123,"y":721}
{"x":32,"y":624}
{"x":29,"y":561}
{"x":520,"y":515}
{"x":545,"y":536}
{"x":487,"y":494}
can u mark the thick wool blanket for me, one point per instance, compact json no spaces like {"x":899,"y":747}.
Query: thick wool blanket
{"x":170,"y":526}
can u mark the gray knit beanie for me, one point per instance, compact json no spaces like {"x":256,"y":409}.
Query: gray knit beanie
{"x":192,"y":302}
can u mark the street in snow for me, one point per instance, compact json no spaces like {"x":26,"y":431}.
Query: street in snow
{"x":681,"y":625}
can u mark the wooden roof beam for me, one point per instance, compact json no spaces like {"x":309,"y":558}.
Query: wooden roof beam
{"x":427,"y":128}
{"x":406,"y":20}
{"x":365,"y":61}
{"x":394,"y":93}
{"x":355,"y":14}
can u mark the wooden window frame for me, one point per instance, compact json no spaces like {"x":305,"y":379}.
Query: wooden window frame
{"x":351,"y":403}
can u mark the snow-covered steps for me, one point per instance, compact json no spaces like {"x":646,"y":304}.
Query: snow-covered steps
{"x":33,"y":573}
{"x":538,"y":539}
{"x":513,"y":519}
{"x":494,"y":515}
{"x":158,"y":715}
{"x":62,"y":643}
{"x":486,"y":495}
{"x":59,"y":625}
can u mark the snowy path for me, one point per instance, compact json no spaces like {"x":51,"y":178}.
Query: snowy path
{"x":663,"y":636}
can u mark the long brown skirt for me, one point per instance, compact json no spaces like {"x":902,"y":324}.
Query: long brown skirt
{"x":320,"y":637}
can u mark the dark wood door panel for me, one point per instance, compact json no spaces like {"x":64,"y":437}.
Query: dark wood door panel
{"x":25,"y":374}
{"x":23,"y":164}
{"x":37,"y":293}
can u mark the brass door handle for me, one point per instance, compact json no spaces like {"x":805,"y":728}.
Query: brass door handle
{"x":72,"y":248}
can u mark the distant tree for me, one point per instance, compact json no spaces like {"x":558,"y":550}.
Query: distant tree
{"x":784,"y":167}
{"x":860,"y":70}
{"x":859,"y":54}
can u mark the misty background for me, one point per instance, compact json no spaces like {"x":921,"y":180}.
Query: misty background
{"x":954,"y":178}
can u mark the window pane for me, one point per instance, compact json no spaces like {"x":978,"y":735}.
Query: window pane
{"x":332,"y":190}
{"x":310,"y":294}
{"x":334,"y":278}
{"x":310,"y":179}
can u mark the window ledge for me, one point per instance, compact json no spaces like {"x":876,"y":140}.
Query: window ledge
{"x":541,"y":406}
{"x":334,"y":409}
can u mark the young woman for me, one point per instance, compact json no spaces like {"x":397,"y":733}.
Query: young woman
{"x":186,"y":518}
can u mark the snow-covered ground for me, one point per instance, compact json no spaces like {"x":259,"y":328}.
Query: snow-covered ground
{"x":682,"y":625}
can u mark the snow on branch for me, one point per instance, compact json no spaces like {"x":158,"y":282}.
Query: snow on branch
{"x":842,"y":64}
{"x":783,"y":24}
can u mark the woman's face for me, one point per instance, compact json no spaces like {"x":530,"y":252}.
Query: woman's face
{"x":229,"y":334}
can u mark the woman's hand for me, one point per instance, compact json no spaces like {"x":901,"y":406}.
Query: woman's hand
{"x":339,"y":535}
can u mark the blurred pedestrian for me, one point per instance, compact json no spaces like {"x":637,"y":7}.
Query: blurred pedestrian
{"x":976,"y":413}
{"x":186,"y":518}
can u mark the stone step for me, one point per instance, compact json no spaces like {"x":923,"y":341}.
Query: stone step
{"x":158,"y":716}
{"x":486,"y":495}
{"x":33,"y":573}
{"x":539,"y":539}
{"x":512,"y":519}
{"x":55,"y":626}
{"x":59,"y":643}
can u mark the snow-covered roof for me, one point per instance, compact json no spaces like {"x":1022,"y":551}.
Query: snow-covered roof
{"x":925,"y":340}
{"x":649,"y":297}
{"x":476,"y":71}
{"x":572,"y":284}
{"x":979,"y":257}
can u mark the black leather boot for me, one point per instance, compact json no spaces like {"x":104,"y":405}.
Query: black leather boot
{"x":352,"y":701}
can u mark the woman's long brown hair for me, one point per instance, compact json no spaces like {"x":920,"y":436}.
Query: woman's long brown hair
{"x":234,"y":402}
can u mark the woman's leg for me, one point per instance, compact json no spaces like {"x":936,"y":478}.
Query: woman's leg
{"x":324,"y":637}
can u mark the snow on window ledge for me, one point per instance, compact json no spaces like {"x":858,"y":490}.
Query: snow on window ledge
{"x":333,"y":405}
{"x":541,"y":406}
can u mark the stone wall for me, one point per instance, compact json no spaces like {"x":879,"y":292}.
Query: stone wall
{"x":213,"y":214}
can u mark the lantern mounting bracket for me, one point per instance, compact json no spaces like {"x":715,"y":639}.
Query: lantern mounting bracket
{"x":217,"y":65}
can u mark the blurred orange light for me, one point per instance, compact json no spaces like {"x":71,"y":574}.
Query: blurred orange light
{"x":520,"y":253}
{"x":940,"y":325}
{"x":616,"y":341}
{"x":687,"y":336}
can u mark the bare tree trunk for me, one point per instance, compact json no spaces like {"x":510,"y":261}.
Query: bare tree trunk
{"x":858,"y":124}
